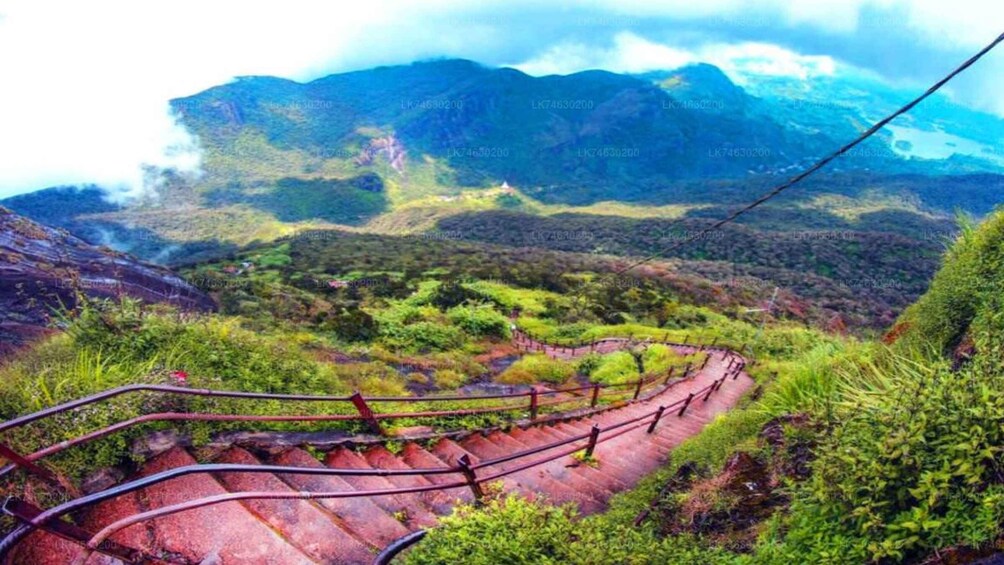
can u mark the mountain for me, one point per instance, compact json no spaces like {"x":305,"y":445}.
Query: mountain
{"x":575,"y":138}
{"x":395,"y":150}
{"x":43,"y":270}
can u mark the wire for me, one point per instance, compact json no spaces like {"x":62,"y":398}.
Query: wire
{"x":819,"y":164}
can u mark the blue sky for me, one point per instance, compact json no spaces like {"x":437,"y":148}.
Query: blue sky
{"x":86,"y":84}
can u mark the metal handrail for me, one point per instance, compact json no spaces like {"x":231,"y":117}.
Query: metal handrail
{"x":365,"y":413}
{"x":464,"y":468}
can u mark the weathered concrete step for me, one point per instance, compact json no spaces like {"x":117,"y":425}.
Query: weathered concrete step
{"x":534,"y":480}
{"x":360,"y":516}
{"x":590,"y":496}
{"x":450,"y":452}
{"x":41,"y":548}
{"x":301,"y":522}
{"x":607,"y":460}
{"x":379,"y":457}
{"x":198,"y":534}
{"x":407,"y":508}
{"x":417,"y":457}
{"x":607,"y":481}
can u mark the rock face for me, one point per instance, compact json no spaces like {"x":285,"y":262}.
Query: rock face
{"x":42,"y":269}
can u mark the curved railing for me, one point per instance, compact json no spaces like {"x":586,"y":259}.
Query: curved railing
{"x":465,"y":470}
{"x":365,"y":412}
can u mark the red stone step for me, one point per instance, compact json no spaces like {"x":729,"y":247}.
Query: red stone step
{"x":591,"y":495}
{"x":364,"y":519}
{"x":408,"y":508}
{"x":606,"y":481}
{"x":140,"y":536}
{"x":41,"y":548}
{"x":450,"y":452}
{"x":438,"y":501}
{"x":418,"y":458}
{"x":303,"y":523}
{"x":557,"y":492}
{"x":197,"y":534}
{"x":607,"y":460}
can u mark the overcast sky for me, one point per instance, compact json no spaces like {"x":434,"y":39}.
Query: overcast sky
{"x":84,"y":84}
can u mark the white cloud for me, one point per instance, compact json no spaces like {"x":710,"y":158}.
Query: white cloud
{"x":85,"y":84}
{"x":630,"y":53}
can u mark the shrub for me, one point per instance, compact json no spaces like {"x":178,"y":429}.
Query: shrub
{"x":540,"y":367}
{"x":422,"y":336}
{"x":615,"y":368}
{"x":912,"y":468}
{"x":480,"y":321}
{"x":448,"y":379}
{"x":658,"y":358}
{"x":511,"y":530}
{"x":588,"y":363}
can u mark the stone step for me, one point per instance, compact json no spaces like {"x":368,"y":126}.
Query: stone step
{"x":301,"y":522}
{"x":535,"y":480}
{"x":417,"y":457}
{"x":590,"y":496}
{"x":407,"y":508}
{"x":606,"y":481}
{"x":359,"y":516}
{"x":197,"y":534}
{"x":437,"y":501}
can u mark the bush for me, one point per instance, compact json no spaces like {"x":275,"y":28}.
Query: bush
{"x":422,"y":336}
{"x":912,"y":468}
{"x":658,"y":358}
{"x":516,"y":531}
{"x":537,"y":368}
{"x":448,"y":379}
{"x":615,"y":368}
{"x":480,"y":321}
{"x":511,"y":530}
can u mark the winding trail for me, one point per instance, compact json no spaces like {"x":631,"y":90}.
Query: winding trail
{"x":352,"y":530}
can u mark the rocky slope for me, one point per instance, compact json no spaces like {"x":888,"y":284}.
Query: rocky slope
{"x":43,"y":269}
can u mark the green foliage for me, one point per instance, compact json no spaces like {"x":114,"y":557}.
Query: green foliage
{"x":971,"y":278}
{"x":615,"y":368}
{"x":516,"y":531}
{"x":480,"y":321}
{"x":536,"y":368}
{"x":422,"y":336}
{"x":510,"y":530}
{"x":448,"y":379}
{"x":353,"y":324}
{"x":907,"y":469}
{"x":110,"y":345}
{"x":658,"y":358}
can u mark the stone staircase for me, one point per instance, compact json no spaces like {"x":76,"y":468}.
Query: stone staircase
{"x":352,"y":529}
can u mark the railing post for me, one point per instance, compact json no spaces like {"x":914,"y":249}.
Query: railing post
{"x":533,"y":403}
{"x":594,"y":436}
{"x":637,"y":389}
{"x":21,"y":461}
{"x":710,"y":390}
{"x":366,"y":413}
{"x":705,"y":363}
{"x":669,"y":375}
{"x":683,"y":409}
{"x":658,"y":415}
{"x":714,"y":341}
{"x":685,"y":338}
{"x":686,"y":371}
{"x":472,"y":479}
{"x":596,"y":395}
